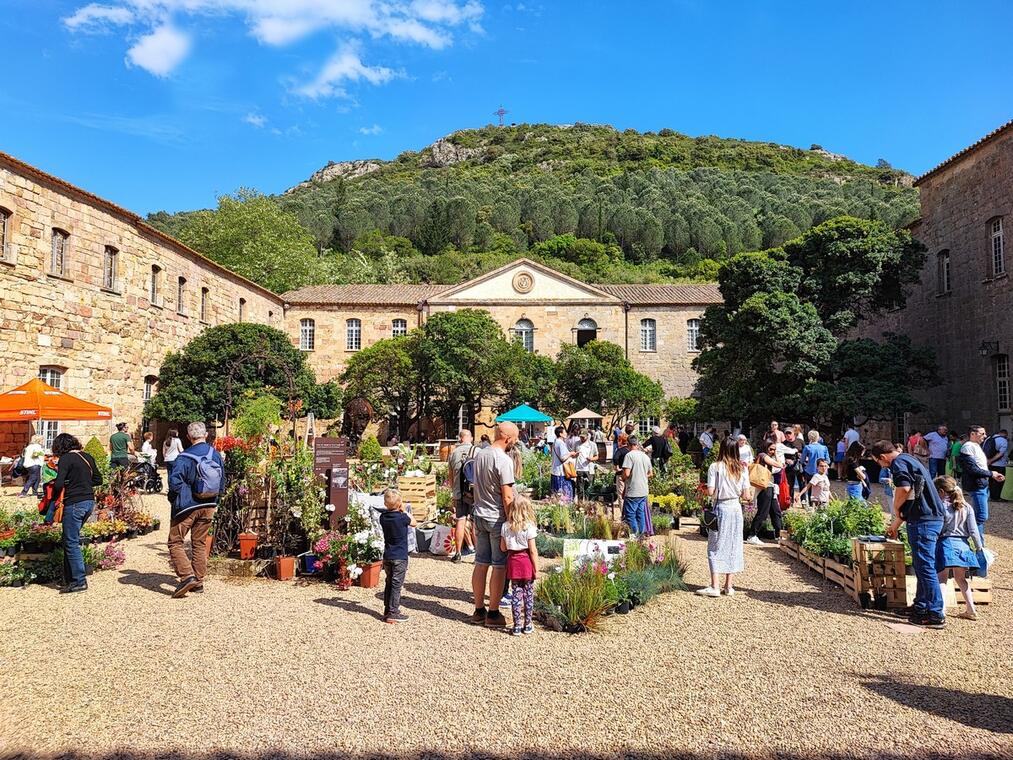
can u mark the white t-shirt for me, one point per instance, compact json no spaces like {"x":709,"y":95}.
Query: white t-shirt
{"x":820,"y":491}
{"x":516,"y":542}
{"x":725,"y":488}
{"x":493,"y":469}
{"x":938,"y":445}
{"x":851,"y":436}
{"x":560,"y":453}
{"x":148,"y":453}
{"x":746,"y":454}
{"x":585,"y":451}
{"x":35,"y":455}
{"x":974,"y":451}
{"x":171,"y":449}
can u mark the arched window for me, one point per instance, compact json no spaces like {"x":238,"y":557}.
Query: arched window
{"x":943,"y":272}
{"x":353,"y":334}
{"x":648,"y":335}
{"x":307,"y":334}
{"x":7,"y":254}
{"x":150,"y":381}
{"x":399,"y":327}
{"x":587,"y":330}
{"x":998,"y":247}
{"x":110,"y":268}
{"x":205,"y":303}
{"x":49,"y":430}
{"x":524,"y":333}
{"x":153,"y":287}
{"x":693,"y":334}
{"x":181,"y":296}
{"x":58,"y":252}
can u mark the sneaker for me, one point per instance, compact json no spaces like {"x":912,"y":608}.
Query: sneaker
{"x":184,"y":586}
{"x":755,"y":541}
{"x":709,"y":591}
{"x":198,"y":589}
{"x":478,"y":617}
{"x":968,"y":615}
{"x":516,"y":632}
{"x":529,"y":628}
{"x":467,"y":552}
{"x":505,"y":600}
{"x":397,"y":617}
{"x":728,"y":592}
{"x":928,"y":621}
{"x":495,"y":619}
{"x":456,"y":558}
{"x":73,"y":588}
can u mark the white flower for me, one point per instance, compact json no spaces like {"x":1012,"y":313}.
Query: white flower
{"x":612,"y":576}
{"x":329,"y":507}
{"x":354,"y":571}
{"x":361,"y":537}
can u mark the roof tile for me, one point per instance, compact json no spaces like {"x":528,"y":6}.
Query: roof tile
{"x":372,"y":295}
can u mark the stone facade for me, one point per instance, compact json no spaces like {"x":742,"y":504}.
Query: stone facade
{"x":963,"y":308}
{"x":103,"y":341}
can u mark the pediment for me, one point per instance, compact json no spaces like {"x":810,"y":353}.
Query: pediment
{"x":523,"y":280}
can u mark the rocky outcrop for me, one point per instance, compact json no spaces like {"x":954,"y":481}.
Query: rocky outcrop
{"x":342,"y":169}
{"x":443,"y":153}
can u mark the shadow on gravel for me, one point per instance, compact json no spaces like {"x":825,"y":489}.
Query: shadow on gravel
{"x":349,"y":606}
{"x":568,"y":752}
{"x":990,"y":712}
{"x":160,"y":583}
{"x":438,"y":592}
{"x":408,"y":604}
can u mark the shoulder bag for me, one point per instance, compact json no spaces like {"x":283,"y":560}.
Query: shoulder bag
{"x":759,"y":476}
{"x":710,"y":518}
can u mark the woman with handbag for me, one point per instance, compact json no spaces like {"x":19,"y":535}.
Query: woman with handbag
{"x":76,"y":476}
{"x":767,"y":503}
{"x":728,"y":486}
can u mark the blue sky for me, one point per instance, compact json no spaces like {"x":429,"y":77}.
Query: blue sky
{"x":165,"y":104}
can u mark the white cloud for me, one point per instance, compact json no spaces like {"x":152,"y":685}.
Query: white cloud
{"x":160,"y":47}
{"x":344,"y":66}
{"x":97,"y":18}
{"x":373,"y":130}
{"x":161,"y":51}
{"x":255,"y":119}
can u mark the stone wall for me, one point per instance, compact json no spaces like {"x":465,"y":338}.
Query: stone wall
{"x":958,"y":204}
{"x":104,"y":340}
{"x":671,"y":363}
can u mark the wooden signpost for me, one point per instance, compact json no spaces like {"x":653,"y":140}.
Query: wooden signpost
{"x":330,"y":461}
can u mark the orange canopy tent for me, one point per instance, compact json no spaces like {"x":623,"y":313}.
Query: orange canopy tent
{"x":37,"y":401}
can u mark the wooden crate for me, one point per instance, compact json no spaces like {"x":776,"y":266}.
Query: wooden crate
{"x":789,"y":547}
{"x":420,"y":493}
{"x":813,"y":561}
{"x":981,"y":591}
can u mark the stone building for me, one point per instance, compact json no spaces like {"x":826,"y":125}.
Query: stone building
{"x":92,"y":298}
{"x":657,"y":325}
{"x":963,"y":308}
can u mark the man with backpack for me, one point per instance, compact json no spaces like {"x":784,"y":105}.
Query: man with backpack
{"x":196,"y":483}
{"x":995,"y":448}
{"x":461,"y":487}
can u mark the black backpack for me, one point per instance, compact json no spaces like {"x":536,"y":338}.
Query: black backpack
{"x":989,"y":446}
{"x":467,"y":477}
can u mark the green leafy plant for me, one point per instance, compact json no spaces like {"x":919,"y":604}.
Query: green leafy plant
{"x":257,"y":415}
{"x":370,"y":450}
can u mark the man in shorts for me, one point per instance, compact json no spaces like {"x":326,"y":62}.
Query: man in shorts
{"x":464,"y":451}
{"x":494,"y":494}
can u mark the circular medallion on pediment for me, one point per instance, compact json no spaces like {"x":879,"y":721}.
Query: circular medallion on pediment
{"x":523,"y":282}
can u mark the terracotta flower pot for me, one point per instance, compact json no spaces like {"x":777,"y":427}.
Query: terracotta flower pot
{"x":247,"y":545}
{"x":370,"y":577}
{"x":285,"y":568}
{"x":211,"y":543}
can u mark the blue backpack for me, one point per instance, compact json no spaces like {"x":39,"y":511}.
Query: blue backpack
{"x":209,"y":475}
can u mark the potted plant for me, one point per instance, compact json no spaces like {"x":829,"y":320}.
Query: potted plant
{"x":365,"y":545}
{"x":248,"y":545}
{"x":284,"y":567}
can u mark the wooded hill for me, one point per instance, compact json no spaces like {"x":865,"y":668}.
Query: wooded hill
{"x":601,"y":204}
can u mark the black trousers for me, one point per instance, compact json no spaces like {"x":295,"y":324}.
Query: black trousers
{"x":395,"y":570}
{"x":766,"y":505}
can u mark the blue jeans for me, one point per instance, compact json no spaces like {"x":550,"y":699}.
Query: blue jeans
{"x":937,"y":467}
{"x":32,"y":480}
{"x":634,"y":513}
{"x":74,"y":516}
{"x":923,"y":536}
{"x":854,"y":490}
{"x":979,"y":501}
{"x":561,"y":485}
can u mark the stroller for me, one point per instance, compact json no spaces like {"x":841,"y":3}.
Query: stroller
{"x":144,"y":477}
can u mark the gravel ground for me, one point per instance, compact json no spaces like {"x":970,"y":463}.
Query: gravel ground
{"x":788,"y":667}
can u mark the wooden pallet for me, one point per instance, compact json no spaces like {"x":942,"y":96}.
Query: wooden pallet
{"x":789,"y":547}
{"x":420,"y":493}
{"x":841,"y":575}
{"x":812,"y":561}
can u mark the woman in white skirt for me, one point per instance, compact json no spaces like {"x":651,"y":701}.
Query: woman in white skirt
{"x":728,"y":486}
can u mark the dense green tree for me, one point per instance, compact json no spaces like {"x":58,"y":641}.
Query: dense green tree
{"x":599,"y":376}
{"x":386,"y":374}
{"x":194,"y":384}
{"x":251,"y":235}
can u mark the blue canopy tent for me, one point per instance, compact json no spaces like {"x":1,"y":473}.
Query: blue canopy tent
{"x":523,"y":413}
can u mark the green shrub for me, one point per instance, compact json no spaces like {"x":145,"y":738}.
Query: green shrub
{"x":662,"y":522}
{"x":548,"y":546}
{"x":98,"y":453}
{"x":575,"y":598}
{"x":370,"y":450}
{"x":255,"y":417}
{"x":599,"y":527}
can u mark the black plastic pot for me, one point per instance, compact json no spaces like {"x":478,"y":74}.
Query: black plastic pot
{"x":623,"y":607}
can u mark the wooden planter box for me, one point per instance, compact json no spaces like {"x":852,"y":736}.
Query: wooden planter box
{"x":789,"y":547}
{"x":420,"y":493}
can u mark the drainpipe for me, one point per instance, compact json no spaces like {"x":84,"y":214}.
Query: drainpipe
{"x":422,"y":305}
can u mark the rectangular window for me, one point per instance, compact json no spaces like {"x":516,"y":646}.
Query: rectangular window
{"x":307,"y":334}
{"x":399,"y":328}
{"x":645,"y":426}
{"x":693,"y":335}
{"x":205,"y":297}
{"x":181,"y":296}
{"x":109,"y":266}
{"x":48,"y":430}
{"x":58,"y":253}
{"x":1002,"y":381}
{"x":149,"y":387}
{"x":998,"y":248}
{"x":153,"y":291}
{"x":242,"y":309}
{"x":6,"y":244}
{"x":648,"y":335}
{"x":944,"y":272}
{"x":353,"y":335}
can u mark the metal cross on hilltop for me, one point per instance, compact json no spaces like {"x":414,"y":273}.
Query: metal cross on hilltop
{"x":501,"y":112}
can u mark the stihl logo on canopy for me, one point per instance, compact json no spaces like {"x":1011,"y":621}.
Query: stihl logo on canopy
{"x":28,"y":412}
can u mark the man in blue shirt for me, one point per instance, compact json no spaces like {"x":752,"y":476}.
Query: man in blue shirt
{"x":916,"y":502}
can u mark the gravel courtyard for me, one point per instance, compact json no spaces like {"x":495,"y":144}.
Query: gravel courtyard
{"x":787,"y":668}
